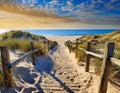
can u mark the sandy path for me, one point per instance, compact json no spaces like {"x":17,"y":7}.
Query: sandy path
{"x":57,"y":72}
{"x":64,"y":76}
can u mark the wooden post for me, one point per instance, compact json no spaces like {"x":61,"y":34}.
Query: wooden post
{"x":106,"y":67}
{"x":33,"y":55}
{"x":5,"y":57}
{"x":76,"y":53}
{"x":88,"y":57}
{"x":48,"y":45}
{"x":70,"y":48}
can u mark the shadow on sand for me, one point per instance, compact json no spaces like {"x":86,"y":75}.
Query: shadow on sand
{"x":46,"y":64}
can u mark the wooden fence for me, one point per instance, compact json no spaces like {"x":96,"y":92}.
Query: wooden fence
{"x":7,"y":65}
{"x":106,"y":64}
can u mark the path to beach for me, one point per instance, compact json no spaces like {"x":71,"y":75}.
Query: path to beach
{"x":57,"y":72}
{"x":62,"y":75}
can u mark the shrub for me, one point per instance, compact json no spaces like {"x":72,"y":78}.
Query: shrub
{"x":81,"y":55}
{"x":52,"y":44}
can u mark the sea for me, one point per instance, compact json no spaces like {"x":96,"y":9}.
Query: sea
{"x":71,"y":32}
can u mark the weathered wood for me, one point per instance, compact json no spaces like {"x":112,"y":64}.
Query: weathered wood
{"x":33,"y":54}
{"x":76,"y":53}
{"x":16,"y":62}
{"x":48,"y":45}
{"x":5,"y":57}
{"x":82,"y":49}
{"x":70,"y":48}
{"x":106,"y":67}
{"x":115,"y":61}
{"x":94,"y":54}
{"x":88,"y":57}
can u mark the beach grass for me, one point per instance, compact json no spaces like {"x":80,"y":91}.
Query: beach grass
{"x":21,"y":44}
{"x":24,"y":46}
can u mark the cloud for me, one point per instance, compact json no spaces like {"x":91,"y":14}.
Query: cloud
{"x":113,"y":5}
{"x":4,"y":30}
{"x":107,"y":11}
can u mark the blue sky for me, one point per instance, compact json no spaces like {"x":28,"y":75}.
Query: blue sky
{"x":102,"y":11}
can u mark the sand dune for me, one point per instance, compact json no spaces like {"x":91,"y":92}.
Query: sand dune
{"x":57,"y":72}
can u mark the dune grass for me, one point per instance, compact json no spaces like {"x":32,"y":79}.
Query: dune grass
{"x":24,"y":46}
{"x":52,"y":44}
{"x":21,"y":44}
{"x":81,"y":56}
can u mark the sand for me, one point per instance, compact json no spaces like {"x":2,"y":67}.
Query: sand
{"x":56,"y":72}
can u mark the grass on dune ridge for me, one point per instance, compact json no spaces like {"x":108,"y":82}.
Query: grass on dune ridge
{"x":21,"y":44}
{"x":97,"y":46}
{"x":24,"y":46}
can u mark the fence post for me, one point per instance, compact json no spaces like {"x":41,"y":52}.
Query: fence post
{"x":76,"y":52}
{"x":88,"y":57}
{"x":33,"y":55}
{"x":48,"y":45}
{"x":69,"y":47}
{"x":5,"y":57}
{"x":106,"y":67}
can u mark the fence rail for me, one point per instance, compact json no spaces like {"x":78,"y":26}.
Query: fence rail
{"x":94,"y":54}
{"x":115,"y":61}
{"x":107,"y":58}
{"x":16,"y":62}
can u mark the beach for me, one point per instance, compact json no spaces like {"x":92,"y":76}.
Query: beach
{"x":56,"y":72}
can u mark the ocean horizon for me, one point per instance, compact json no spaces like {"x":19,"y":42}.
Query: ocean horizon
{"x":70,"y":32}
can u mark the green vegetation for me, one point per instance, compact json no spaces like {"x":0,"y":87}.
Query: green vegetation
{"x":97,"y":64}
{"x":97,"y":46}
{"x":21,"y":35}
{"x":21,"y":44}
{"x":21,"y":40}
{"x":52,"y":44}
{"x":18,"y":40}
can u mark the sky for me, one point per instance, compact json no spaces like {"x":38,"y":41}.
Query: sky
{"x":97,"y":11}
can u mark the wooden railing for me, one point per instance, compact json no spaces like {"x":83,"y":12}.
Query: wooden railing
{"x":7,"y":65}
{"x":106,"y":64}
